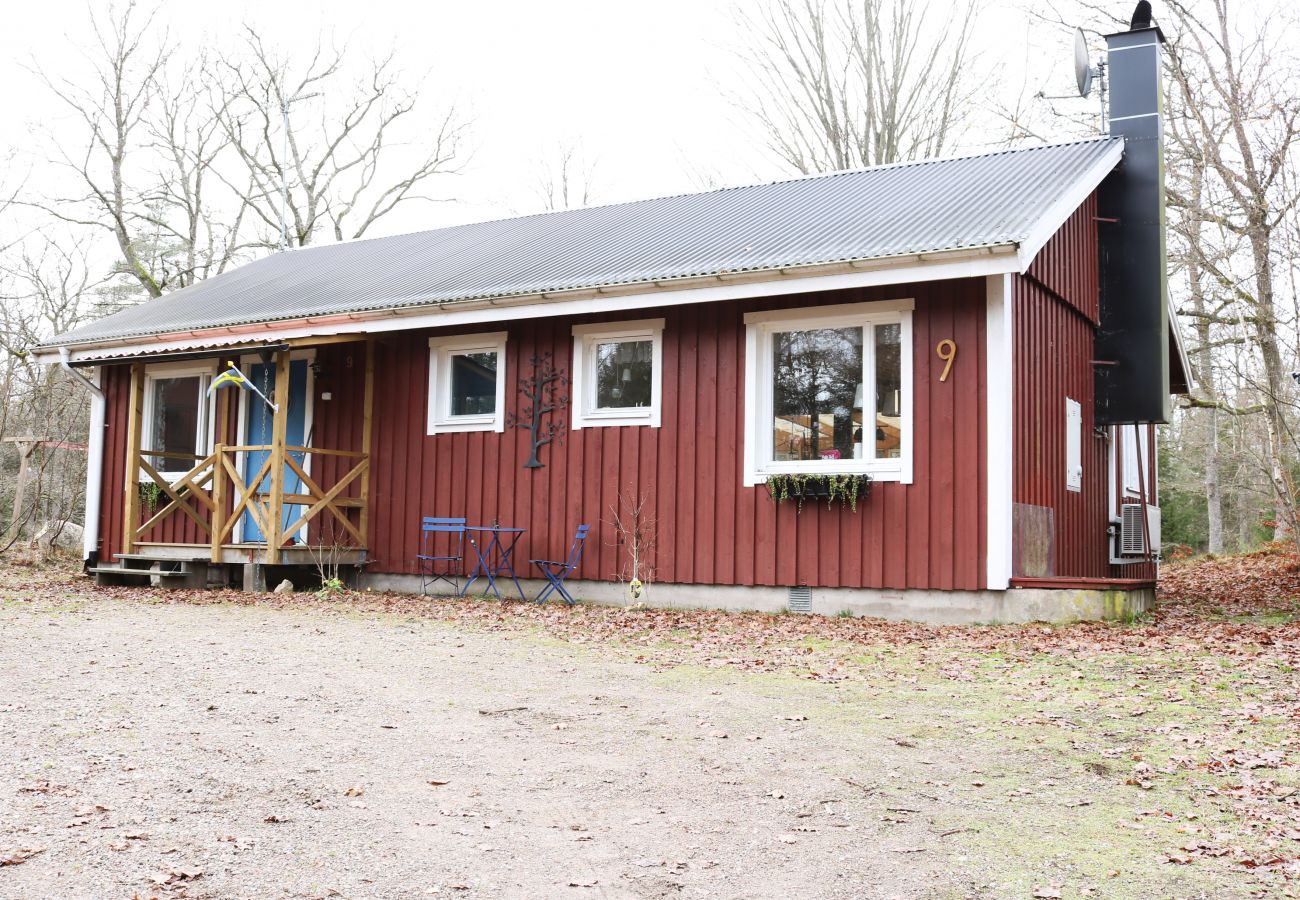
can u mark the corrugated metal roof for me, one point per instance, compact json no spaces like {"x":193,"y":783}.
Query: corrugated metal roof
{"x":989,"y":200}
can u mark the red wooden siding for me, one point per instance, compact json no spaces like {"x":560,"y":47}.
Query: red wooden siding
{"x":711,"y":529}
{"x":1068,"y":263}
{"x":1055,"y":316}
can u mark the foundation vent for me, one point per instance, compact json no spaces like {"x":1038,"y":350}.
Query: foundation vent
{"x":801,"y":599}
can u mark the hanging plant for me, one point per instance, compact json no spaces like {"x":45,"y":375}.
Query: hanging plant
{"x":843,"y":489}
{"x":150,"y":494}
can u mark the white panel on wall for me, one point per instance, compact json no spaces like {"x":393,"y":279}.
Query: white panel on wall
{"x":1073,"y":445}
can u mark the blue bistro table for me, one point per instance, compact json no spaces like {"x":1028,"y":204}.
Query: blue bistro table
{"x":493,"y":555}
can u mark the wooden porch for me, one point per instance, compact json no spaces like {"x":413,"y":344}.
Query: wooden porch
{"x":317,"y":520}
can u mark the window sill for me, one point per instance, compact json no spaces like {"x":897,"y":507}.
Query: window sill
{"x":475,"y":423}
{"x":614,"y":419}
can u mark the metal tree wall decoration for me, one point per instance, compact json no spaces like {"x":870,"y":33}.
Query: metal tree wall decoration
{"x":542,"y":392}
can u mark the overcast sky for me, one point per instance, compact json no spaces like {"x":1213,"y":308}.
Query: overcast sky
{"x":642,"y":87}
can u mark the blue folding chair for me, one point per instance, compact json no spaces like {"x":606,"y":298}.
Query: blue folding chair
{"x":441,"y":568}
{"x":555,"y":571}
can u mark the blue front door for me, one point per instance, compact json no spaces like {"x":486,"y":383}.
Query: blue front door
{"x":258,"y":429}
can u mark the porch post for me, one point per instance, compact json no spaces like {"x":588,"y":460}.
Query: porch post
{"x":134,"y":427}
{"x":219,"y":474}
{"x":279,"y":433}
{"x":367,"y":434}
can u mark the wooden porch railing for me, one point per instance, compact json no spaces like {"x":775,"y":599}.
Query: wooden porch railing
{"x":214,"y":482}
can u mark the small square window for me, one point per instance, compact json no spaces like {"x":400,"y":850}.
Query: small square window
{"x":467,"y":383}
{"x":617,"y":373}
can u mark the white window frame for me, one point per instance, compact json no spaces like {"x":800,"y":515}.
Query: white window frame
{"x":758,"y":399}
{"x":206,"y":425}
{"x":585,"y":337}
{"x":1133,"y":458}
{"x":441,"y":350}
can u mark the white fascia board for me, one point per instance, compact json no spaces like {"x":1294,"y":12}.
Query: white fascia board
{"x":1070,"y":200}
{"x":976,"y":263}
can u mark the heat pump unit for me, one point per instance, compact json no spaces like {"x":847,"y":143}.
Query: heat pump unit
{"x":1132,"y":537}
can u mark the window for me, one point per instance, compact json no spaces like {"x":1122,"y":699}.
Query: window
{"x":467,"y":383}
{"x":617,"y":373}
{"x":829,"y":390}
{"x":1134,"y":453}
{"x":177,"y":418}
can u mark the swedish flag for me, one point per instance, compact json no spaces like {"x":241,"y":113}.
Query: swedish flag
{"x":232,"y":377}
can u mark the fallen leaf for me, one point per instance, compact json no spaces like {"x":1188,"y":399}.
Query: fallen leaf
{"x":1047,"y":893}
{"x":438,"y":782}
{"x":18,"y":856}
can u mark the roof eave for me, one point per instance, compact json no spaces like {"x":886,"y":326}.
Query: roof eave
{"x":930,"y":266}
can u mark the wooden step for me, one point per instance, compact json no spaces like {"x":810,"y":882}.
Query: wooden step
{"x":130,"y":572}
{"x":143,"y":562}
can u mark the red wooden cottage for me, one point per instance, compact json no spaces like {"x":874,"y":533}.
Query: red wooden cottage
{"x":985,"y":341}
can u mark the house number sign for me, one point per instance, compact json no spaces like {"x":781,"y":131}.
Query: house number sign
{"x":946,"y":350}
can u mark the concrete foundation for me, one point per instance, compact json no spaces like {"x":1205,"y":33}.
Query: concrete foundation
{"x":1017,"y":605}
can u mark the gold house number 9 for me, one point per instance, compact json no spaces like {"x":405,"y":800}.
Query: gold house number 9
{"x":947,"y":351}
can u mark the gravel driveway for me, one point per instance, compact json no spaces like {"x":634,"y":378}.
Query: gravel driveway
{"x":224,"y":751}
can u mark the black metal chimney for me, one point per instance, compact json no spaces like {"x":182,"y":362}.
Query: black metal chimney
{"x":1134,"y":330}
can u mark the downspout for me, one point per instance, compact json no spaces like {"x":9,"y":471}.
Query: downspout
{"x":94,"y":459}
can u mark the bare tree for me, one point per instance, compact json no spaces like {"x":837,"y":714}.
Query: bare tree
{"x":338,"y":174}
{"x":45,"y":292}
{"x":1239,"y":118}
{"x":187,"y":136}
{"x":112,"y":110}
{"x":567,"y":179}
{"x":845,"y":83}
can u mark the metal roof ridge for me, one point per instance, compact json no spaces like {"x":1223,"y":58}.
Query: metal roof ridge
{"x":793,"y":179}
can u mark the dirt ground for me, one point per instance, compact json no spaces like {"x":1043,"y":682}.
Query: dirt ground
{"x":288,"y":748}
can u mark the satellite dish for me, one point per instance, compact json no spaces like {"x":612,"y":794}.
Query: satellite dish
{"x":1083,"y":72}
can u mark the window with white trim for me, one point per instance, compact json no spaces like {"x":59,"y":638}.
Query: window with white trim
{"x":617,"y":373}
{"x":1134,"y":444}
{"x":177,"y":419}
{"x":467,"y":383}
{"x":829,"y":390}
